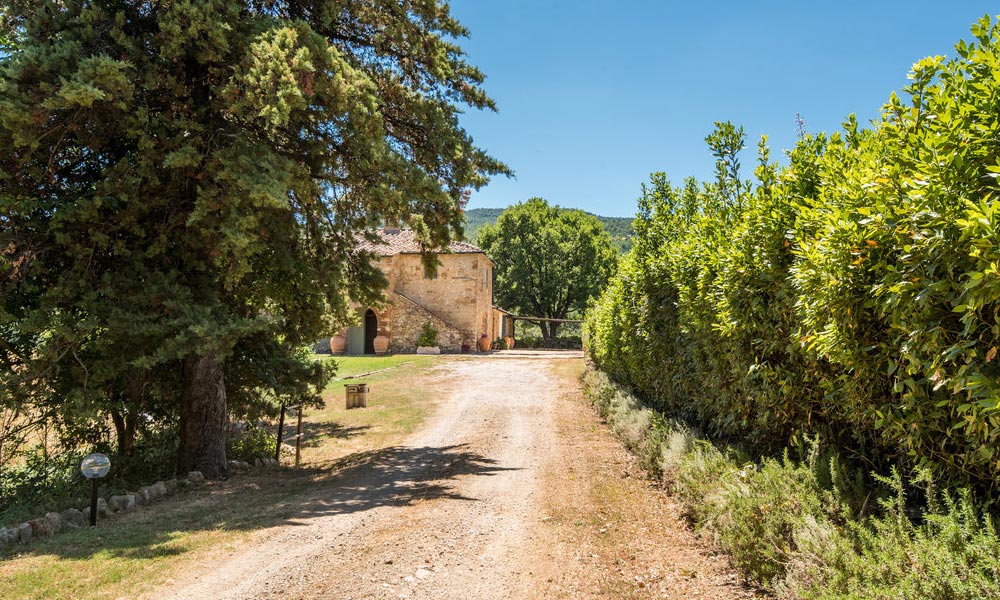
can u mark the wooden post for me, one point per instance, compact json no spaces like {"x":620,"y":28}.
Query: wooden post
{"x":298,"y":438}
{"x":281,"y":428}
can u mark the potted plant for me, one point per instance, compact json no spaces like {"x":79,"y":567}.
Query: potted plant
{"x":427,"y":342}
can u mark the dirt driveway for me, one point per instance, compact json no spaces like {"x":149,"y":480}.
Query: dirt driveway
{"x":513,"y":489}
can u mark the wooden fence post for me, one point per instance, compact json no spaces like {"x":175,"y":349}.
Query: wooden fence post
{"x":298,"y":438}
{"x":281,"y":428}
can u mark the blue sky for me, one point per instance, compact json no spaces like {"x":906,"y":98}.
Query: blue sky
{"x":596,"y":95}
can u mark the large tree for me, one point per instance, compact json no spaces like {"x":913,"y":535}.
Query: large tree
{"x":550,"y":261}
{"x":181,"y":179}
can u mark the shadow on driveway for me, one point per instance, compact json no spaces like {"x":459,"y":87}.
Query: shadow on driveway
{"x":315,"y":433}
{"x":395,"y":476}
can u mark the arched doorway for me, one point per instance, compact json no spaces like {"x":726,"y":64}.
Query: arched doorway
{"x":371,"y":330}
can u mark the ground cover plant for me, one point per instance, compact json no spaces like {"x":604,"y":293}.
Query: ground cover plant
{"x":803,"y":525}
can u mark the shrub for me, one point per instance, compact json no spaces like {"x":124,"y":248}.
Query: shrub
{"x":530,"y":341}
{"x":852,"y":294}
{"x":255,"y":442}
{"x":951,"y":555}
{"x":428,"y":336}
{"x":38,"y":484}
{"x":562,"y":342}
{"x":153,"y":458}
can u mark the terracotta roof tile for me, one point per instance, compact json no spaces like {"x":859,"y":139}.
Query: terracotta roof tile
{"x":404,"y":241}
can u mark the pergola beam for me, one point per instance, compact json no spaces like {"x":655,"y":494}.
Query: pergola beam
{"x":543,"y":319}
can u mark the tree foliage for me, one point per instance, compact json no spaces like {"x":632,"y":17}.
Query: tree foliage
{"x":183,"y":184}
{"x":619,"y":228}
{"x":853,"y":293}
{"x":550,"y":261}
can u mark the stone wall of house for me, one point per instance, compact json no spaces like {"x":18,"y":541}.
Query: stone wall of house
{"x":484,"y":299}
{"x":408,"y":323}
{"x":458,"y":302}
{"x":460,"y":298}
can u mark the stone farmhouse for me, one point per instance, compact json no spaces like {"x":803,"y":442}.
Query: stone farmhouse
{"x":457,"y":300}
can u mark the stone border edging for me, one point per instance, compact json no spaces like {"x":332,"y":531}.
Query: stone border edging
{"x":71,"y":518}
{"x":360,"y":375}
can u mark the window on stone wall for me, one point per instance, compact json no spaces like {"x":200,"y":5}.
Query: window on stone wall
{"x":429,"y":274}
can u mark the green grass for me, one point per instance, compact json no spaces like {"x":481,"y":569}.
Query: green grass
{"x":349,"y":366}
{"x":120,"y":557}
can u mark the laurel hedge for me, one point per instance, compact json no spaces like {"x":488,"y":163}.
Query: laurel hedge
{"x":852,"y":293}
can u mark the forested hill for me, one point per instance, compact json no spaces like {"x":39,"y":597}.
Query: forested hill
{"x":620,"y":228}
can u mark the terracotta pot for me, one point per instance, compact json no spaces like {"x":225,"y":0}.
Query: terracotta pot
{"x":338,"y":344}
{"x":510,"y":342}
{"x":381,"y":344}
{"x":484,"y":343}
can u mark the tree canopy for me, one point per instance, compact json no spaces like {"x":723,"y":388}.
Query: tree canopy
{"x":183,"y":184}
{"x":619,"y":228}
{"x":550,"y":261}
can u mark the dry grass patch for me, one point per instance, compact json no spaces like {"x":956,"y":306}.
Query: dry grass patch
{"x":133,"y":553}
{"x":621,"y":536}
{"x":398,"y":403}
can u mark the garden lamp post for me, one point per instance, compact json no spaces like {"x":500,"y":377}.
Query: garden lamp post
{"x":94,"y":466}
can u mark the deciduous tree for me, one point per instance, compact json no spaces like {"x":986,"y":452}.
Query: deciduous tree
{"x":550,"y":261}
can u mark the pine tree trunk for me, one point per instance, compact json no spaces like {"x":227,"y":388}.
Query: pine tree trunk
{"x":125,"y":431}
{"x":126,"y":420}
{"x":203,"y":417}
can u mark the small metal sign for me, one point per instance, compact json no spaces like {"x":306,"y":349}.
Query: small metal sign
{"x":95,"y":466}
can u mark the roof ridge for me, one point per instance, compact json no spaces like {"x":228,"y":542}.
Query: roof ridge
{"x":404,"y":241}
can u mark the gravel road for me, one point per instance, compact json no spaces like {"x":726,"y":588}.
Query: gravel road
{"x":462,"y":510}
{"x":448,"y":515}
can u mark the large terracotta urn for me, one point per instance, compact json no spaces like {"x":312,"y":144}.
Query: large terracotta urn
{"x":484,"y":343}
{"x":338,"y":344}
{"x":381,"y":344}
{"x":510,"y":342}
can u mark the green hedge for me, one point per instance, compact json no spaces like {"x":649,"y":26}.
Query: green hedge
{"x":853,"y":293}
